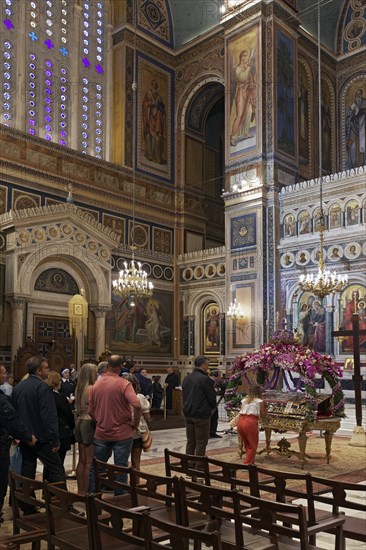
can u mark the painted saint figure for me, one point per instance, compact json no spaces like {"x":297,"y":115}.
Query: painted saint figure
{"x":153,"y":118}
{"x":356,"y":131}
{"x":245,"y":96}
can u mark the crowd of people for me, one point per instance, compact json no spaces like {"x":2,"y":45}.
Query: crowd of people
{"x":105,"y":409}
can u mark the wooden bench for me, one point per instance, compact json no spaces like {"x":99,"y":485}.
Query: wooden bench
{"x":26,"y":494}
{"x":270,"y":517}
{"x":109,"y":481}
{"x":178,"y":537}
{"x":214,"y":510}
{"x":114,"y":527}
{"x":186,"y":465}
{"x":68,"y":527}
{"x":336,"y":495}
{"x":11,"y":542}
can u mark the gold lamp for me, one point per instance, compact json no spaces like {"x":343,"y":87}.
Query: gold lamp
{"x":323,"y":282}
{"x":132,"y":281}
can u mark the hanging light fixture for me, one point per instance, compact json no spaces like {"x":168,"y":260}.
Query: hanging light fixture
{"x":132,"y":281}
{"x":324,"y":282}
{"x":235,"y":313}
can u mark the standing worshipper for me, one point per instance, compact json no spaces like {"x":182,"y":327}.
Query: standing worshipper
{"x":115,"y":407}
{"x":215,"y":377}
{"x":252,"y":408}
{"x":171,"y":382}
{"x":67,"y":385}
{"x":65,"y":415}
{"x":10,"y":426}
{"x":85,"y":425}
{"x":7,"y":386}
{"x":136,"y":450}
{"x":145,"y":383}
{"x":199,"y":402}
{"x":157,"y":395}
{"x":36,"y":406}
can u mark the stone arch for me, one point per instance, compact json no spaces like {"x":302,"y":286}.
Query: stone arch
{"x":86,"y":272}
{"x":195,"y":309}
{"x":190,"y":92}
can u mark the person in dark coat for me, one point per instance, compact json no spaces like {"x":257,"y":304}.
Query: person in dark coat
{"x":36,"y":406}
{"x":171,"y":382}
{"x":145,"y":383}
{"x":66,"y":422}
{"x":157,"y":396}
{"x":11,"y":426}
{"x":199,"y":402}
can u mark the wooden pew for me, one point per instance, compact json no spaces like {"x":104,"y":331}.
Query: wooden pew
{"x":336,"y":495}
{"x":178,"y":537}
{"x":270,"y":517}
{"x":114,"y":527}
{"x":186,"y":465}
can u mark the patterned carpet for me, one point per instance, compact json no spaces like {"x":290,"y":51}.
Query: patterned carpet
{"x":347,"y":462}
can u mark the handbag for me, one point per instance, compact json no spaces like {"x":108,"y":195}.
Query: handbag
{"x":234,"y":421}
{"x":147,"y":440}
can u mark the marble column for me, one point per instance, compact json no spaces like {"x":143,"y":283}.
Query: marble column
{"x":191,"y":335}
{"x":100,"y":313}
{"x":18,"y":304}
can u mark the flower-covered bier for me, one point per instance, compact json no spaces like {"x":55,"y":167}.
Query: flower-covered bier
{"x":299,"y":366}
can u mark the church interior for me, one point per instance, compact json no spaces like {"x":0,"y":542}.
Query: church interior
{"x":183,"y":178}
{"x":207,"y":142}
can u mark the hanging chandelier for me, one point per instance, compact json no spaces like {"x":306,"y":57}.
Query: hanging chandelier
{"x":132,"y":281}
{"x":235,"y":313}
{"x":324,"y":282}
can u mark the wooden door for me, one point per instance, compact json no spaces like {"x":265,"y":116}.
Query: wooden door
{"x":53,"y":340}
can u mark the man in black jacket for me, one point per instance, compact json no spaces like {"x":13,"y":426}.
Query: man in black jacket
{"x":199,"y":402}
{"x":36,"y":406}
{"x":10,"y":427}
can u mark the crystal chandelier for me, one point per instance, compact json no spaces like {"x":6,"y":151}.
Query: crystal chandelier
{"x":132,"y":281}
{"x":235,"y":313}
{"x":324,"y":282}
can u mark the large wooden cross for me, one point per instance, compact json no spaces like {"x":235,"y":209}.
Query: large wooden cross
{"x":357,"y":378}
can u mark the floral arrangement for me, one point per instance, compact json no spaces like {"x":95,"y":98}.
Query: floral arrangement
{"x":284,"y":354}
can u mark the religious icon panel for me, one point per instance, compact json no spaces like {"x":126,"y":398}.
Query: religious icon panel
{"x":211,"y":316}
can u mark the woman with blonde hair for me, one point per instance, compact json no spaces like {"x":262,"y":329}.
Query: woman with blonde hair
{"x":85,"y":425}
{"x":65,"y":416}
{"x":252,"y":408}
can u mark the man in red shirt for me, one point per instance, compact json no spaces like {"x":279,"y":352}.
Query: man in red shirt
{"x":114,"y":405}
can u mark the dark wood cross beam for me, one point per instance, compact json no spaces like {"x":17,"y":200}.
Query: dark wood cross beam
{"x":357,"y":378}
